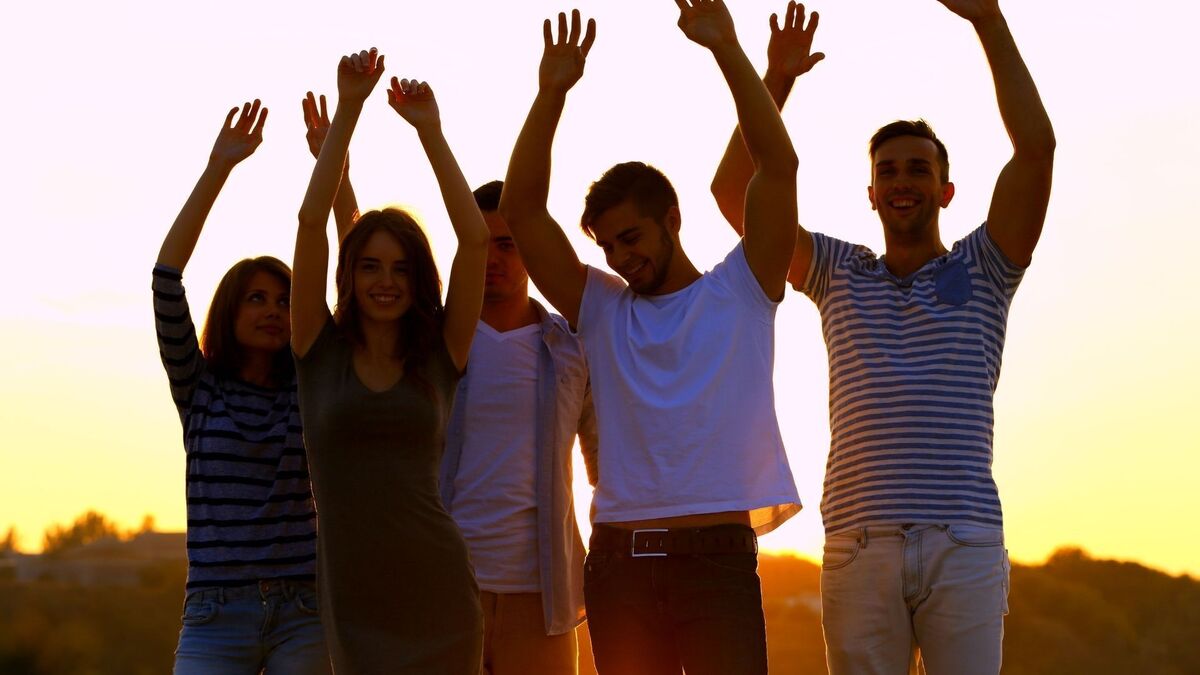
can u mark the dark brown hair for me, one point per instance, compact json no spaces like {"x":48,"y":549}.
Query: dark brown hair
{"x":218,"y":342}
{"x":642,"y":184}
{"x":918,"y":128}
{"x":487,"y":196}
{"x":421,"y":326}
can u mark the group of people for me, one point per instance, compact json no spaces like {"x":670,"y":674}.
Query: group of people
{"x":386,"y":487}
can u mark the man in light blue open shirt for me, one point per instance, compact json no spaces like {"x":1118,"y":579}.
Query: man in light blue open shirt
{"x":506,"y":473}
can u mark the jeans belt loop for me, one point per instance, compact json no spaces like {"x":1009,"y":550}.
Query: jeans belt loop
{"x":866,"y":537}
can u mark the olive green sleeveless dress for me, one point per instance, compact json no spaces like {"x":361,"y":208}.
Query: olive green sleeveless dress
{"x":397,"y":591}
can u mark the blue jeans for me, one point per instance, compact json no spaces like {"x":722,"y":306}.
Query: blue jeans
{"x":914,"y":598}
{"x":699,"y":612}
{"x":270,"y":627}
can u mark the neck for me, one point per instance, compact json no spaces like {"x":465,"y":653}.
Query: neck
{"x":683,"y":273}
{"x":256,"y":368}
{"x":379,"y":339}
{"x":908,"y":252}
{"x":509,"y":313}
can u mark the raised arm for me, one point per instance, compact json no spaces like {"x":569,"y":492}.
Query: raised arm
{"x":789,"y":55}
{"x":236,"y":141}
{"x":1022,"y":191}
{"x":357,"y":75}
{"x":464,"y":297}
{"x":769,"y":234}
{"x":545,"y":249}
{"x":345,"y":204}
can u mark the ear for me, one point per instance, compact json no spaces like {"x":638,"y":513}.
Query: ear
{"x":871,"y":196}
{"x":674,"y":220}
{"x":947,"y":194}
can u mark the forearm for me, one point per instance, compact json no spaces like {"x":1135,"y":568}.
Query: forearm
{"x":734,"y":172}
{"x":323,"y":186}
{"x":762,"y":130}
{"x":1021,"y":107}
{"x":345,"y":206}
{"x":527,"y":183}
{"x":181,"y":239}
{"x":464,"y":214}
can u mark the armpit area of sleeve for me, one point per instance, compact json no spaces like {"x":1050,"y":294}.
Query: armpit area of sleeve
{"x":599,"y":289}
{"x":819,"y":252}
{"x":327,"y":335}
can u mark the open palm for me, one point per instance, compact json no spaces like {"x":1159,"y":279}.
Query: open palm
{"x":238,"y":140}
{"x":790,"y":50}
{"x":563,"y":59}
{"x":706,"y":22}
{"x":358,"y":74}
{"x":415,"y":102}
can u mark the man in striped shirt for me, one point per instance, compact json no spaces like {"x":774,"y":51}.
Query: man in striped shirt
{"x":915,"y":567}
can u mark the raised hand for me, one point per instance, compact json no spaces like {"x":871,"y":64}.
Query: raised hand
{"x":415,"y":102}
{"x":316,"y":121}
{"x":706,"y":22}
{"x":357,"y":75}
{"x":789,"y":53}
{"x":238,"y":140}
{"x":974,"y":10}
{"x":563,"y":59}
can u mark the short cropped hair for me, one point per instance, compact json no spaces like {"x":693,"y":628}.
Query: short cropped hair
{"x":487,"y":196}
{"x":918,"y":128}
{"x":649,"y":190}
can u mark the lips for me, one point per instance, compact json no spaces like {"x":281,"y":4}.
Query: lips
{"x":630,"y":272}
{"x":271,"y":330}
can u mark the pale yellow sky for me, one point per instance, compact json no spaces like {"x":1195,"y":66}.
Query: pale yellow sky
{"x":113,"y":108}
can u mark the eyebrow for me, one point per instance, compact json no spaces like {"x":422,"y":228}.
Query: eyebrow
{"x":502,"y":238}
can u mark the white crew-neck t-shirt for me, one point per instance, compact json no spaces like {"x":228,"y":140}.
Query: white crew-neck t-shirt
{"x":685,"y":400}
{"x":495,"y":489}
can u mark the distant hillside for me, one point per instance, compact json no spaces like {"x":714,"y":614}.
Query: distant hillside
{"x":1070,"y":615}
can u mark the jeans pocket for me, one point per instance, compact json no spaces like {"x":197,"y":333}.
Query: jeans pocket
{"x":198,"y":611}
{"x":307,"y":602}
{"x":840,"y":550}
{"x":597,"y":567}
{"x":1007,"y":572}
{"x":974,"y":535}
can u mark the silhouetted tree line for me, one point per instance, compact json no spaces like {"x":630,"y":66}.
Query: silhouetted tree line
{"x":1074,"y":614}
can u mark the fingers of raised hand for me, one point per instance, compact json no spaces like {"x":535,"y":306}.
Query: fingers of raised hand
{"x":258,"y":128}
{"x":789,"y":19}
{"x":309,"y":104}
{"x":589,"y":37}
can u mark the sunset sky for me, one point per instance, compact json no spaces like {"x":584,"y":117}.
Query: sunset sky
{"x":113,"y":107}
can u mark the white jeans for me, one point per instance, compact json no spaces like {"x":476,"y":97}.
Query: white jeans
{"x":902,"y":599}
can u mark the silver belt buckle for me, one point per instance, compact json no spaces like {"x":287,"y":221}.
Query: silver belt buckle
{"x":633,"y":552}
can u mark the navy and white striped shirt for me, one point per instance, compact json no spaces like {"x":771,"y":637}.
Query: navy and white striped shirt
{"x":913,"y":365}
{"x":249,"y":500}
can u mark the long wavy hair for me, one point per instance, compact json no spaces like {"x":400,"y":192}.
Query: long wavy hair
{"x":218,"y":341}
{"x":420,"y":332}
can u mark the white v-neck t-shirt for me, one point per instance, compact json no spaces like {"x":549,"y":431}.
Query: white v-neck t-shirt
{"x":495,"y":489}
{"x":685,"y":401}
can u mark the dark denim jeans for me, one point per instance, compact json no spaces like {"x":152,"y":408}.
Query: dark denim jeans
{"x":270,"y":627}
{"x":658,"y":615}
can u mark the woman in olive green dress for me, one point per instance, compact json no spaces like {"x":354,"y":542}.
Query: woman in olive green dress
{"x":377,"y":378}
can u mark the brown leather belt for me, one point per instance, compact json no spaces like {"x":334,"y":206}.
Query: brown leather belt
{"x":660,"y":542}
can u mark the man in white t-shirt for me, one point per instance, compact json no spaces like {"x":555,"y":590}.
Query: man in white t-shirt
{"x":506,"y":474}
{"x":691,"y":463}
{"x":915,"y":566}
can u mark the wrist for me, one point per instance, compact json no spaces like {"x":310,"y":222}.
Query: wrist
{"x":219,"y":165}
{"x":989,"y":23}
{"x":777,"y":79}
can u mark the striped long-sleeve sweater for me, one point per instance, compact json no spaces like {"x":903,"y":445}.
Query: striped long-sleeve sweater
{"x":249,"y":502}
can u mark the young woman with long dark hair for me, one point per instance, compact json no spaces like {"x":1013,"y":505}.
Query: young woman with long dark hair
{"x":251,"y":603}
{"x":377,"y":377}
